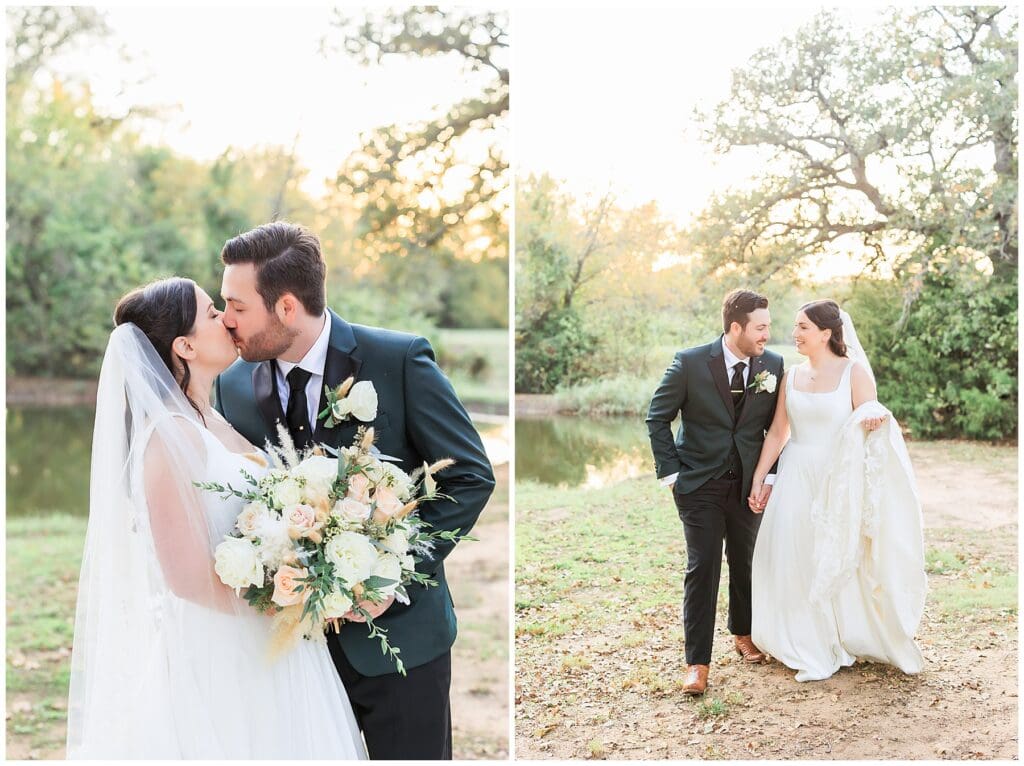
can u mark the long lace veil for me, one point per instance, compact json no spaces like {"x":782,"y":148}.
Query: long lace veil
{"x":147,"y":568}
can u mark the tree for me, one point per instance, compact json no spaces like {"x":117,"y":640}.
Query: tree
{"x":902,"y":137}
{"x":587,"y":301}
{"x":430,"y":197}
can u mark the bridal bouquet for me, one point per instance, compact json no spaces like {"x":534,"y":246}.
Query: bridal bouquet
{"x":323,"y":533}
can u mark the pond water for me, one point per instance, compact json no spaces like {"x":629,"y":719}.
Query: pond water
{"x":48,"y":451}
{"x":582,"y":451}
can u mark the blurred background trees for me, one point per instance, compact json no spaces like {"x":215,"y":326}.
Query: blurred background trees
{"x":414,"y":228}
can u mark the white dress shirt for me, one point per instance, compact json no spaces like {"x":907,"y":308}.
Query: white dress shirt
{"x":313,"y":362}
{"x":731,"y":360}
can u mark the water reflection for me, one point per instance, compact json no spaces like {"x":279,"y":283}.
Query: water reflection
{"x":48,"y":451}
{"x":582,"y":451}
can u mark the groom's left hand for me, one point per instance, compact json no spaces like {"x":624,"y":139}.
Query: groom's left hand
{"x":375,"y":610}
{"x":758,"y":499}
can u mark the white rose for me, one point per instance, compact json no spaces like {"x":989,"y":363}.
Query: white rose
{"x":353,"y":557}
{"x":288,"y":492}
{"x":350,"y":509}
{"x":362,"y":401}
{"x":336,"y":604}
{"x":319,"y":472}
{"x":770,"y":383}
{"x":408,"y":563}
{"x":397,"y":542}
{"x":237,"y":564}
{"x":342,"y":409}
{"x":397,"y":479}
{"x":249,"y":519}
{"x":390,"y":568}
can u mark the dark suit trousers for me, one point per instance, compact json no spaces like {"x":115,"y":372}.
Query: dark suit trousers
{"x":405,"y":718}
{"x":711,"y":514}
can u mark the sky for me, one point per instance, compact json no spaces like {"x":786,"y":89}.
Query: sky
{"x":606,"y":97}
{"x":247,"y":77}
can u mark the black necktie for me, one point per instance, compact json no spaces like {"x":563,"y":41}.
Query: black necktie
{"x":736,"y":386}
{"x":298,"y":414}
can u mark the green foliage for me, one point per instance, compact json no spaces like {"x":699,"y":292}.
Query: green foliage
{"x":897,"y":142}
{"x":93,"y":212}
{"x":951,"y":369}
{"x":623,"y":395}
{"x":585,"y":293}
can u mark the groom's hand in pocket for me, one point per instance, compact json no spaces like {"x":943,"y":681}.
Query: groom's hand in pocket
{"x":375,"y":610}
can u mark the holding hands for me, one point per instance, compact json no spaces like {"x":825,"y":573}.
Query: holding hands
{"x":759,"y":494}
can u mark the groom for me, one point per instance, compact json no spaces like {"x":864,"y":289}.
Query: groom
{"x":726,"y":394}
{"x":291,"y":347}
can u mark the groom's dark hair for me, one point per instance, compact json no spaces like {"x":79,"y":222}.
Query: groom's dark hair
{"x":738,"y":306}
{"x":287,"y":260}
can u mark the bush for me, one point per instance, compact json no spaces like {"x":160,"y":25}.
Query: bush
{"x":551,"y":353}
{"x":952,"y":370}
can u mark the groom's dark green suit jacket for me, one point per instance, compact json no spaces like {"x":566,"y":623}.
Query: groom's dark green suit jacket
{"x":696,"y":385}
{"x":419,"y":419}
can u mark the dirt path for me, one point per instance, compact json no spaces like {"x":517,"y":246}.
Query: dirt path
{"x":479,"y":578}
{"x":616,"y":693}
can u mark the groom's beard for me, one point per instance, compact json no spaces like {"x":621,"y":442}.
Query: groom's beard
{"x":269,"y":343}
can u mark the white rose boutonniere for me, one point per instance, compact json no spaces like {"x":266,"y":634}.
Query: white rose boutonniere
{"x":350,"y":399}
{"x":764,"y":381}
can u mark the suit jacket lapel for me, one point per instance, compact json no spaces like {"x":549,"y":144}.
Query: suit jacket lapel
{"x":340,"y":364}
{"x":267,"y":400}
{"x":716,"y":363}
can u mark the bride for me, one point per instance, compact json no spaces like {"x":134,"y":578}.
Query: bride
{"x":838,"y":567}
{"x":167,"y":661}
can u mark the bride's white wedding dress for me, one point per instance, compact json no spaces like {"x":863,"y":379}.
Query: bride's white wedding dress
{"x":837,"y":571}
{"x":164,"y":671}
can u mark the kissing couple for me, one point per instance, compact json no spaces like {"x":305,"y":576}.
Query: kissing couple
{"x":168,"y":661}
{"x":805,"y":478}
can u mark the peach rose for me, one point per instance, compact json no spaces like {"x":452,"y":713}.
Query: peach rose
{"x":388,"y":503}
{"x":286,"y":581}
{"x":301,"y":518}
{"x":359,"y":488}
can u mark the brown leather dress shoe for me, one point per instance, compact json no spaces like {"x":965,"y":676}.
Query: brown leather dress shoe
{"x":696,"y":679}
{"x":746,"y":649}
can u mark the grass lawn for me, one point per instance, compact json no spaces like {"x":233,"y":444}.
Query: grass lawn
{"x":600,"y":645}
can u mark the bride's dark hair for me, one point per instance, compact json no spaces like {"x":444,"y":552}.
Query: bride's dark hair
{"x":164,"y":310}
{"x":826,"y":316}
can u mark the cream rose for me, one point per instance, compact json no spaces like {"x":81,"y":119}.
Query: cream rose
{"x":287,"y":582}
{"x":249,"y":519}
{"x":319,"y":472}
{"x":397,"y":479}
{"x":336,"y":604}
{"x":301,"y":518}
{"x":353,"y":557}
{"x":288,"y":492}
{"x":397,"y":542}
{"x":236,"y":563}
{"x":351,"y":510}
{"x":388,"y":567}
{"x":360,"y":402}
